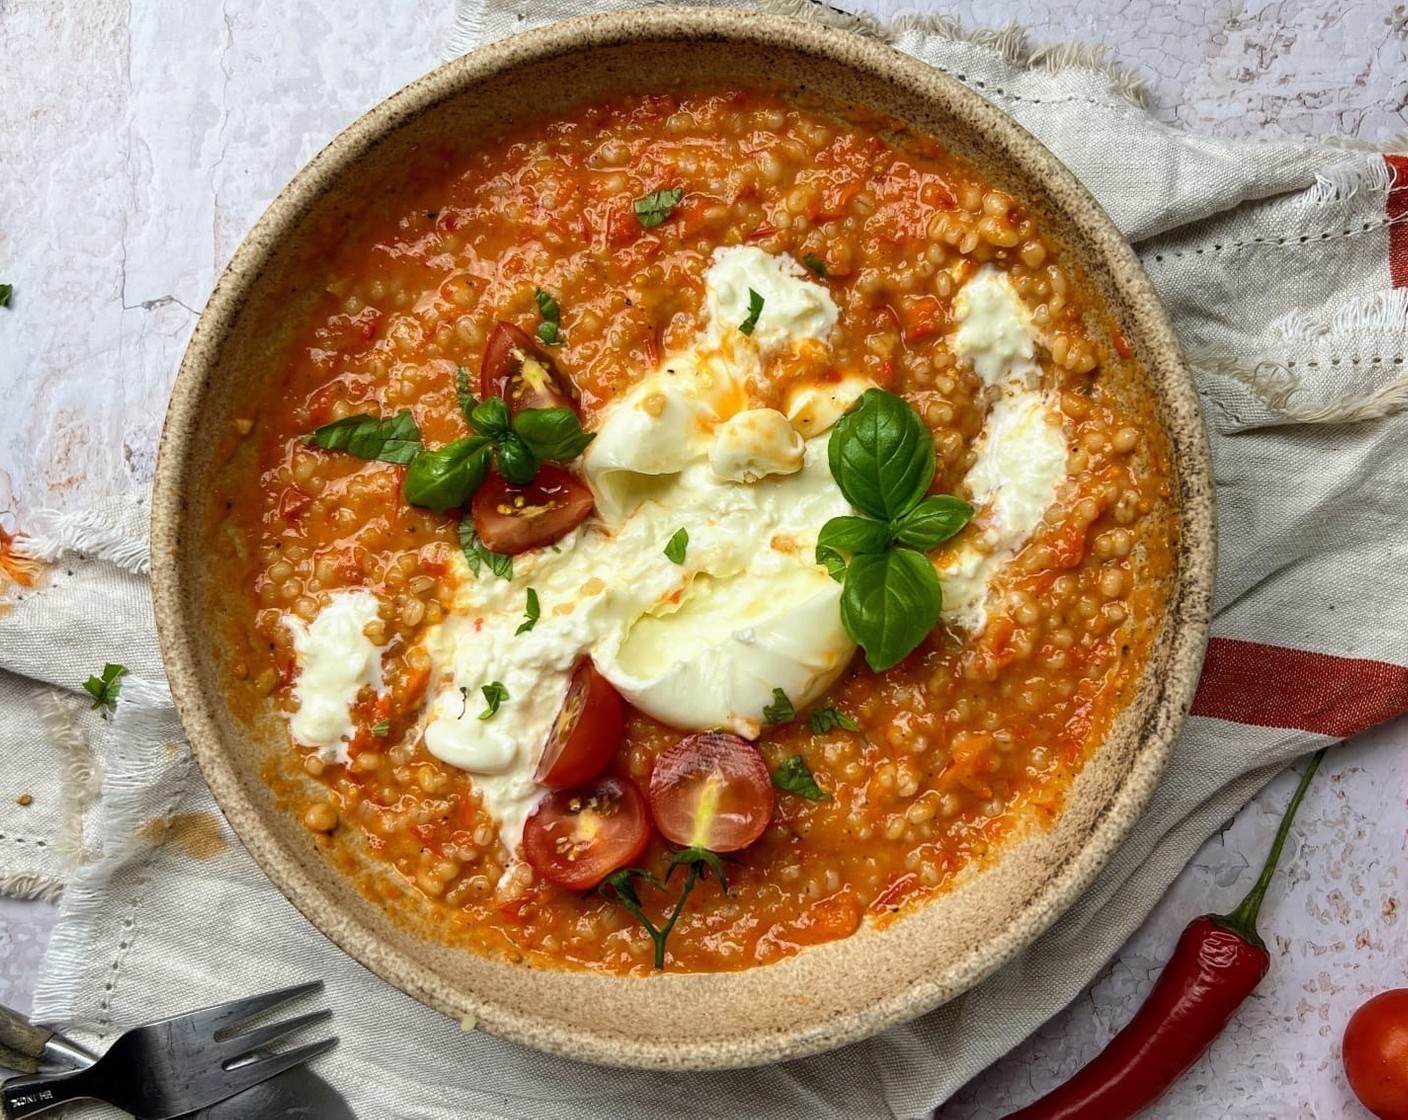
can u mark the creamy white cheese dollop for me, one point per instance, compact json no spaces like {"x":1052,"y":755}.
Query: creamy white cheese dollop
{"x":1021,"y":450}
{"x":336,"y":661}
{"x":794,"y":306}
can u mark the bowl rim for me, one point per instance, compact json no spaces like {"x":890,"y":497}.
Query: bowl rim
{"x":1187,"y":613}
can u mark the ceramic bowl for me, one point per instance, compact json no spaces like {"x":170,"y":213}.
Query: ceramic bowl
{"x":824,"y":996}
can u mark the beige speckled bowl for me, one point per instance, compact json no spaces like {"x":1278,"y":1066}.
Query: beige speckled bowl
{"x":824,"y":996}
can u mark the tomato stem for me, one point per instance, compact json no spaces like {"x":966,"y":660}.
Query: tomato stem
{"x":1242,"y":921}
{"x":697,"y":860}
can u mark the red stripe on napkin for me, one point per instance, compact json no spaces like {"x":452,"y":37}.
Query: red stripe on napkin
{"x":1398,"y":215}
{"x":1272,"y":686}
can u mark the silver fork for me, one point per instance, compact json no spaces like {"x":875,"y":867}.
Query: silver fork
{"x":176,"y":1066}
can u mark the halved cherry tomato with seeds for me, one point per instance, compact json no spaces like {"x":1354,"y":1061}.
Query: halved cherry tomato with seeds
{"x":512,"y":519}
{"x":575,"y":838}
{"x":519,"y":373}
{"x":711,"y":790}
{"x":584,"y":737}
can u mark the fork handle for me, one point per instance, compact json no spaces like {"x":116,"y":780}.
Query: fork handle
{"x":28,"y":1096}
{"x":22,"y":1040}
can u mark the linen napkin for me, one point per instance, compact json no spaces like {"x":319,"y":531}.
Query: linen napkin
{"x":1285,"y":269}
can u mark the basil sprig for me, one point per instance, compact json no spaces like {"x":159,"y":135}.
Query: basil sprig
{"x":882,"y":458}
{"x":533,"y":435}
{"x":105,"y":689}
{"x":369,"y":437}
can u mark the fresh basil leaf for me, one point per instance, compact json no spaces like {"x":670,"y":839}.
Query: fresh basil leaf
{"x":677,"y":546}
{"x":531,"y":613}
{"x":655,"y":207}
{"x":105,"y":689}
{"x":463,"y":392}
{"x":547,"y":306}
{"x":882,"y":455}
{"x":780,"y":710}
{"x":476,"y":555}
{"x":494,"y":694}
{"x":517,"y":463}
{"x":834,"y":561}
{"x":6,"y":291}
{"x":554,"y":434}
{"x":369,"y":437}
{"x":828,"y":719}
{"x":816,"y":264}
{"x":795,"y":776}
{"x":889,"y":604}
{"x":853,"y":534}
{"x":381,"y":728}
{"x":933,"y":521}
{"x":448,"y":476}
{"x":755,"y":308}
{"x":490,"y":418}
{"x":549,"y":330}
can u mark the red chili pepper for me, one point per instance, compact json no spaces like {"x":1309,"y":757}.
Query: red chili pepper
{"x":1218,"y":961}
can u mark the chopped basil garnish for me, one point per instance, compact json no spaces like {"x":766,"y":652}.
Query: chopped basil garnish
{"x":6,"y":291}
{"x":654,"y":208}
{"x":828,"y":719}
{"x":463,"y":392}
{"x":369,"y":437}
{"x":531,"y":613}
{"x":549,"y":330}
{"x":448,"y":476}
{"x":699,"y":861}
{"x":882,"y":457}
{"x":795,"y":776}
{"x":554,"y":434}
{"x":476,"y":555}
{"x":816,"y":264}
{"x":381,"y":728}
{"x":104,"y":690}
{"x":494,"y":695}
{"x":780,"y":710}
{"x":755,"y":308}
{"x":675,"y":549}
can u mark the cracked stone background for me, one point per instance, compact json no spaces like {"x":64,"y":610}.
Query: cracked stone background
{"x":139,"y":141}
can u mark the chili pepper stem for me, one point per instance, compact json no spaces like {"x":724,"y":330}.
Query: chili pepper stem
{"x":1242,"y":921}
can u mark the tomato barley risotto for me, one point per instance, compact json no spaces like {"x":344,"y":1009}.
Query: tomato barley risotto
{"x":689,"y":528}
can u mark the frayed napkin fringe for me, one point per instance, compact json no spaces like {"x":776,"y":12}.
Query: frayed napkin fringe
{"x":80,"y":778}
{"x":87,"y":532}
{"x":133,"y":769}
{"x":1011,"y":42}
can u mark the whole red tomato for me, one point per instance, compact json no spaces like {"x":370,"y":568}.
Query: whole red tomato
{"x":1376,"y":1054}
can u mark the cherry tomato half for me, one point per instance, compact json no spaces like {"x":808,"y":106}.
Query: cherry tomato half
{"x":1376,"y":1054}
{"x":711,"y":790}
{"x":519,"y":373}
{"x":586,"y":733}
{"x":512,"y":519}
{"x":575,"y":838}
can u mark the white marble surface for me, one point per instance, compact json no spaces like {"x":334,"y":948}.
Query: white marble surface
{"x":140,"y":140}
